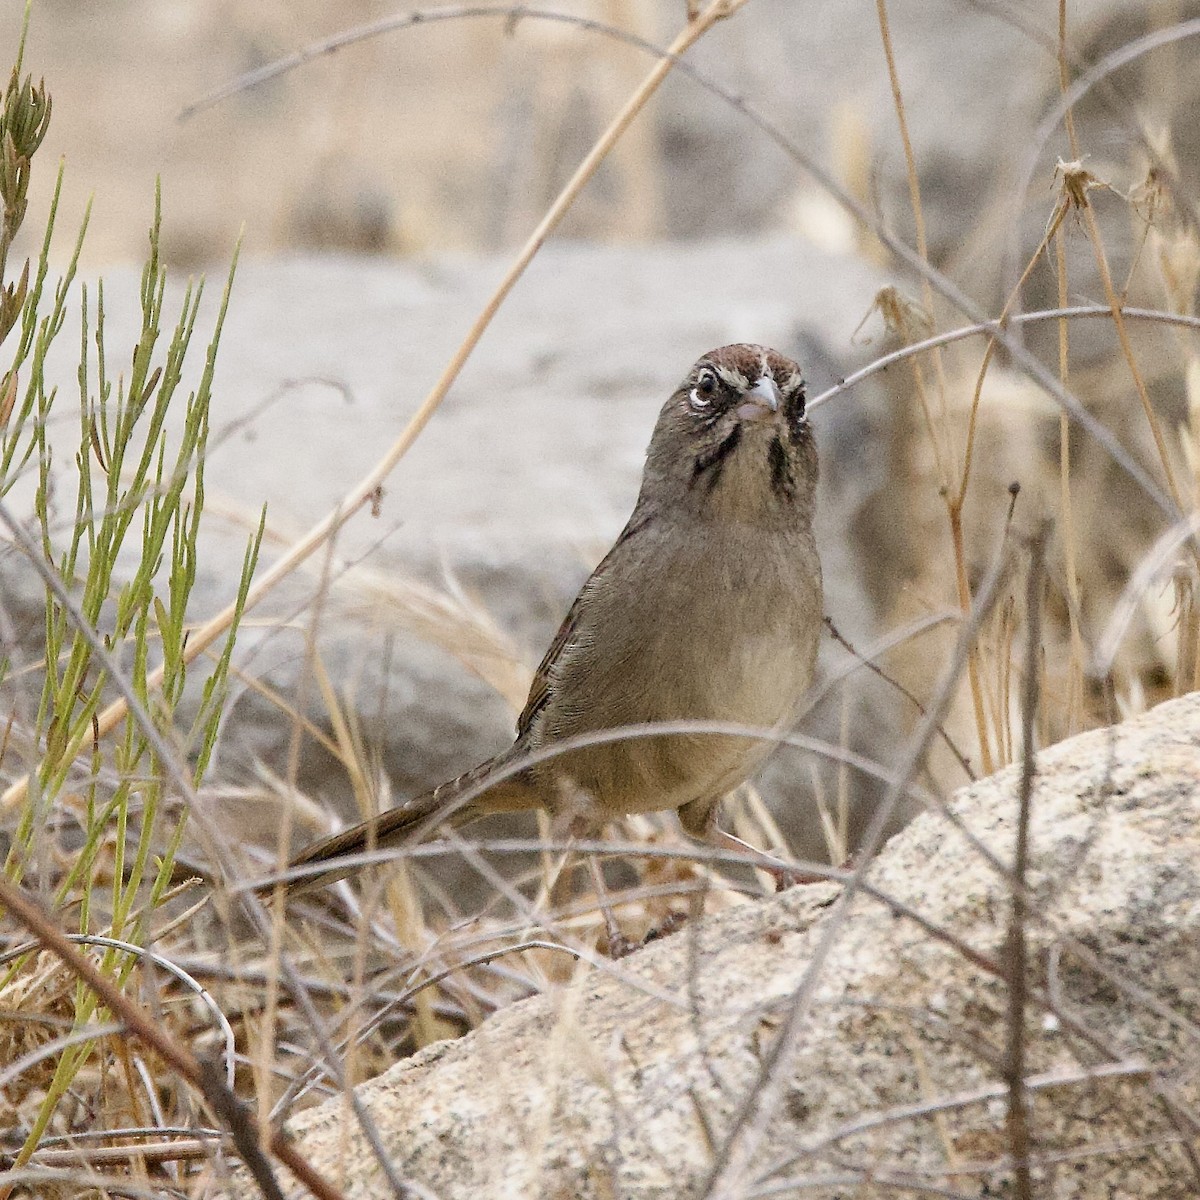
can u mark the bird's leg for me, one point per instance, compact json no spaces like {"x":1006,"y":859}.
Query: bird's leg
{"x":580,"y":816}
{"x":582,"y":822}
{"x":618,"y":944}
{"x":699,"y":820}
{"x":784,"y":876}
{"x":575,"y":818}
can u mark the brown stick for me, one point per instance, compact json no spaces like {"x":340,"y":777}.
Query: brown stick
{"x":1016,"y":951}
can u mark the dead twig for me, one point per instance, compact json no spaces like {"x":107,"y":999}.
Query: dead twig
{"x":1016,"y":949}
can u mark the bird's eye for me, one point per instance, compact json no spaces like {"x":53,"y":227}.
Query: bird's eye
{"x":702,"y":394}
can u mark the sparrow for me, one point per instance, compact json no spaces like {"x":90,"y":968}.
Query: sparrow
{"x":709,"y":605}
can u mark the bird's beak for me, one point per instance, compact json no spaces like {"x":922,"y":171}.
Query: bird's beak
{"x":761,"y":402}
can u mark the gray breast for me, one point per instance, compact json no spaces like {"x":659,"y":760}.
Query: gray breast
{"x":718,"y":631}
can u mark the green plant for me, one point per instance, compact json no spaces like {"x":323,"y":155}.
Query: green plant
{"x":116,"y":515}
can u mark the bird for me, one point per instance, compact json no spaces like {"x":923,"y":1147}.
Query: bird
{"x":708,"y":606}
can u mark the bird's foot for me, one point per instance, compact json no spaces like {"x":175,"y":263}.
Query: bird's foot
{"x":789,"y":877}
{"x":619,"y":946}
{"x":670,"y":924}
{"x":786,"y":877}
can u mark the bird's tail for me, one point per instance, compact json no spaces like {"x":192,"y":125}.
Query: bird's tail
{"x":444,"y":805}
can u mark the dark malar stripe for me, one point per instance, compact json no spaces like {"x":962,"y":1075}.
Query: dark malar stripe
{"x":712,"y":461}
{"x":782,"y":482}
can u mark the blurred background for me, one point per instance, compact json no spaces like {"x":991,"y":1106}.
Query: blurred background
{"x":455,"y":136}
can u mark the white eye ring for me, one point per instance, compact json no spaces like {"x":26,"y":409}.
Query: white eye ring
{"x":698,"y":401}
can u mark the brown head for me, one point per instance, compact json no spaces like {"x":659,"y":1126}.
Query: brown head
{"x":733,"y":440}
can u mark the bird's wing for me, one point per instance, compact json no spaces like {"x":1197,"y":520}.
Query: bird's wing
{"x":541,"y":688}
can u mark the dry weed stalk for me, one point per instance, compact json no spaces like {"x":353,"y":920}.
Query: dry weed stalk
{"x":992,"y":710}
{"x":945,"y":454}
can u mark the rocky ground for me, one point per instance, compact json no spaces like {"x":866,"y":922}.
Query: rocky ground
{"x":640,"y":1079}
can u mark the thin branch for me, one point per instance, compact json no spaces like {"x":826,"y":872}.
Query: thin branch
{"x":992,"y":329}
{"x":511,"y":15}
{"x":597,"y":737}
{"x":955,"y":1101}
{"x":1016,"y":950}
{"x":876,"y":669}
{"x":156,"y":1153}
{"x":1148,"y":570}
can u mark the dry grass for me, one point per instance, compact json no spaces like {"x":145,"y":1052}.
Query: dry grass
{"x":299,"y":1004}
